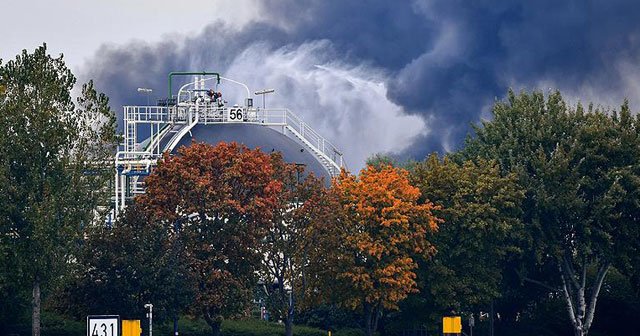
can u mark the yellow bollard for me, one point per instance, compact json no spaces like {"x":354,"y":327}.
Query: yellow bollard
{"x":131,"y":328}
{"x":452,"y":325}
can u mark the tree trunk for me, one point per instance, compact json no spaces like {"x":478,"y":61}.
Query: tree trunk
{"x":371,"y":314}
{"x":368,"y":323}
{"x":288,"y":326}
{"x":214,"y":323}
{"x":35,"y":317}
{"x":581,"y":311}
{"x":215,"y":328}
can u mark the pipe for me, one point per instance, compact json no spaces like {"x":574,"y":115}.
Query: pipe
{"x":189,"y":73}
{"x":232,"y":81}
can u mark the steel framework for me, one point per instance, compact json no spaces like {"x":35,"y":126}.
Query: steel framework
{"x":169,"y":124}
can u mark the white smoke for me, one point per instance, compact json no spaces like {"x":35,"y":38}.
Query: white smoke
{"x":346,"y":104}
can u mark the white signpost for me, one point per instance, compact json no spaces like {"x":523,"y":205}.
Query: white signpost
{"x":103,"y":325}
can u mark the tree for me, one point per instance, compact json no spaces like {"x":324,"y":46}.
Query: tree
{"x":580,"y":171}
{"x":121,"y":268}
{"x":380,"y":160}
{"x":219,"y":200}
{"x":285,"y":248}
{"x":481,"y":229}
{"x":53,"y":155}
{"x":380,"y":230}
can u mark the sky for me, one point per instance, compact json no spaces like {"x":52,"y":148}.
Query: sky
{"x":405,"y":78}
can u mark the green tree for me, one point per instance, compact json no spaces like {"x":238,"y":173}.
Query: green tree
{"x":380,"y":160}
{"x":481,"y":229}
{"x":580,"y":170}
{"x":121,"y":268}
{"x":52,"y":153}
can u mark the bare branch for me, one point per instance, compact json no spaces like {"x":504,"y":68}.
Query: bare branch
{"x":539,"y":283}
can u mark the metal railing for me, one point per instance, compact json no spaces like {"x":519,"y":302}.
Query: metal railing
{"x":149,"y":114}
{"x":172,"y":121}
{"x":210,"y":113}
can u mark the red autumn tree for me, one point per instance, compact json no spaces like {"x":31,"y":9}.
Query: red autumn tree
{"x":284,"y":247}
{"x":218,"y":201}
{"x":380,"y":229}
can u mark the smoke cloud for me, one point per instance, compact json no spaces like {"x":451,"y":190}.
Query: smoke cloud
{"x":406,"y":78}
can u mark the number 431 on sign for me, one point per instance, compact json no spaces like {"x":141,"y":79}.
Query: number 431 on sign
{"x":103,"y":325}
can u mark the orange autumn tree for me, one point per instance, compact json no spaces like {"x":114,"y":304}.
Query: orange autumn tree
{"x":381,"y":230}
{"x":216,"y":203}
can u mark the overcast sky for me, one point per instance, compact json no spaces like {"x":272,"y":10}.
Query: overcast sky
{"x":402,"y":77}
{"x":78,"y":28}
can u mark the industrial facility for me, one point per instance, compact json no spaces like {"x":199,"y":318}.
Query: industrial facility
{"x":197,"y":111}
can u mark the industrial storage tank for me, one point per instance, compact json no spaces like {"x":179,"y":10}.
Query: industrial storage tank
{"x":196,"y":111}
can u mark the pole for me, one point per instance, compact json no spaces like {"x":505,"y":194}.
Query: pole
{"x":147,"y":92}
{"x":264,"y":93}
{"x":175,"y":324}
{"x":150,"y":316}
{"x":491,"y":323}
{"x":187,"y":73}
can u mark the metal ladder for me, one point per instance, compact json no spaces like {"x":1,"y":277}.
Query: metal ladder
{"x":330,"y":165}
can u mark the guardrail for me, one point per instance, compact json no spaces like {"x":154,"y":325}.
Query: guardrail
{"x":168,"y":118}
{"x":209,"y":113}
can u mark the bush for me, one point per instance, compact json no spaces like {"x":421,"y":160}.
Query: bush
{"x":348,"y":332}
{"x":52,"y":325}
{"x":56,"y":325}
{"x":248,"y":327}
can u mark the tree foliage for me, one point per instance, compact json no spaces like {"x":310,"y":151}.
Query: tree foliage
{"x":121,"y":268}
{"x":52,"y":154}
{"x":481,"y":229}
{"x":580,"y":172}
{"x":285,"y":247}
{"x":219,"y":201}
{"x":380,"y":229}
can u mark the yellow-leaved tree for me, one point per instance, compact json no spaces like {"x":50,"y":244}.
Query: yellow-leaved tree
{"x":377,"y":230}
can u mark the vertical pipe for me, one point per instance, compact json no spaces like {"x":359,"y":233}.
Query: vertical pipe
{"x":151,"y":138}
{"x":122,"y":191}
{"x":116,"y":205}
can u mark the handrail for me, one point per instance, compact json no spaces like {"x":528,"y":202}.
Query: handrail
{"x":284,"y":121}
{"x":211,"y":114}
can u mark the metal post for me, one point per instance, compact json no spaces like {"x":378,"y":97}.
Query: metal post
{"x":146,"y":91}
{"x":150,"y":316}
{"x":491,"y":321}
{"x":175,"y":325}
{"x":116,"y":198}
{"x":122,"y":191}
{"x":264,"y":93}
{"x":183,"y":73}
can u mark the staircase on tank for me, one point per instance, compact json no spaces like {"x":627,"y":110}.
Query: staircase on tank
{"x":170,"y":124}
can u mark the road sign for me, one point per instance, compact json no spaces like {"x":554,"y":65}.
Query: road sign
{"x":103,"y":325}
